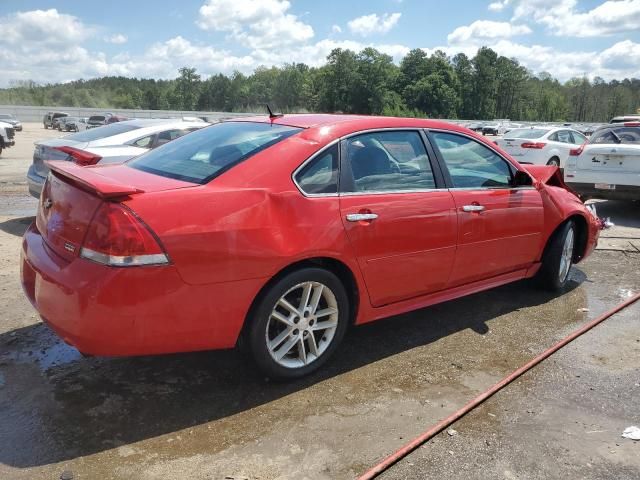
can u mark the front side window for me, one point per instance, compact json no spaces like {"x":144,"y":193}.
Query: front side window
{"x":320,"y":175}
{"x":388,"y":161}
{"x":206,"y":153}
{"x":472,"y":165}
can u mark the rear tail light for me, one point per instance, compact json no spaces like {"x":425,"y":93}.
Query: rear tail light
{"x":537,"y":146}
{"x":632,"y":124}
{"x":575,"y":152}
{"x":80,"y":156}
{"x":117,"y":237}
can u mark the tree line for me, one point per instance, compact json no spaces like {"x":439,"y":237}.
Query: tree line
{"x":485,"y":86}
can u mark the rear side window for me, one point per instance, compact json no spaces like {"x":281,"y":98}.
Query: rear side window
{"x":320,"y":175}
{"x":202,"y":155}
{"x":102,"y":132}
{"x":617,"y":135}
{"x":472,"y":165}
{"x":388,"y":161}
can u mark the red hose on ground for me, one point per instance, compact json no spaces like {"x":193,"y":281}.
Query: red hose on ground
{"x":433,"y":431}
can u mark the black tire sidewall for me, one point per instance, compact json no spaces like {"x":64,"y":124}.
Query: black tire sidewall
{"x":548,"y":275}
{"x":262,"y":311}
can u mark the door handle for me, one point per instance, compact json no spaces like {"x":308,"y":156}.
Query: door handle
{"x":361,"y":217}
{"x":473,"y":208}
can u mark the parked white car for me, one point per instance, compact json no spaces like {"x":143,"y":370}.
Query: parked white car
{"x":113,"y":143}
{"x":541,"y":145}
{"x":609,"y":165}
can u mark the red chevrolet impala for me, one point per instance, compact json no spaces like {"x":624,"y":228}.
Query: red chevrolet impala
{"x":284,"y":230}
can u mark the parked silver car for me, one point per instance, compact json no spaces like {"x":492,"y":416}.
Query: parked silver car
{"x":114,"y":143}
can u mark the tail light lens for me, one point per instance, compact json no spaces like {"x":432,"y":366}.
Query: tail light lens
{"x":575,"y":152}
{"x":117,"y":237}
{"x":80,"y":156}
{"x":537,"y":146}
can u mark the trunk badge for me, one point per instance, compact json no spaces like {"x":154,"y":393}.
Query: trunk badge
{"x":70,"y":247}
{"x":47,"y":203}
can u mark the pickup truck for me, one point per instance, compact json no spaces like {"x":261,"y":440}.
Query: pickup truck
{"x":7,"y":133}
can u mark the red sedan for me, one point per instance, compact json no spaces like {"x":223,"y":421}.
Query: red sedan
{"x":284,"y":231}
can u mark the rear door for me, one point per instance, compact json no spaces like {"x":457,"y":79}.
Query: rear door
{"x":499,"y":226}
{"x":402,"y":226}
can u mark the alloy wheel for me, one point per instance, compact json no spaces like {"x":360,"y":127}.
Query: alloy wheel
{"x":566,"y":256}
{"x":302,"y":324}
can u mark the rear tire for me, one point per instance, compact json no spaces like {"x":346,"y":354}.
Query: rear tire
{"x":554,"y":161}
{"x":298,"y":323}
{"x":45,"y":127}
{"x":558,"y":258}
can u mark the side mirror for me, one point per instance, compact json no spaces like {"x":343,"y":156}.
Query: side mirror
{"x":522,"y":179}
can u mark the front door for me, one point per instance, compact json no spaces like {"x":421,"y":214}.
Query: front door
{"x":499,"y":226}
{"x":402,"y":227}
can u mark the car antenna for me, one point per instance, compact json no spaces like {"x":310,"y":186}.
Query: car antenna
{"x":273,"y":115}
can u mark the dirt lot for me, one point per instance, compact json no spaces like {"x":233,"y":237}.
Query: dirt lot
{"x":211,"y":416}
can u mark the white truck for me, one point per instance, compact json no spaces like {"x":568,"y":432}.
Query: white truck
{"x":7,"y":134}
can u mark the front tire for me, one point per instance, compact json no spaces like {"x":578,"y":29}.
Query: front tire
{"x":298,"y":323}
{"x":558,"y":258}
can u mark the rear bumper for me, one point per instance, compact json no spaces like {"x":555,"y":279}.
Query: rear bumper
{"x":620,"y":192}
{"x":35,"y":182}
{"x":130,"y":311}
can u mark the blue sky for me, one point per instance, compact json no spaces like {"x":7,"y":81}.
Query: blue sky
{"x":48,"y":40}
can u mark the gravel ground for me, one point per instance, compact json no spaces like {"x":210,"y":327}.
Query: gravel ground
{"x":210,"y":415}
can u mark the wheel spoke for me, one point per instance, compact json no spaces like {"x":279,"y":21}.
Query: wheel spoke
{"x":302,"y":351}
{"x":315,"y":299}
{"x":313,"y":346}
{"x":324,"y":325}
{"x":283,"y":302}
{"x":326,"y":311}
{"x":278,"y":316}
{"x":306,"y":294}
{"x":280,"y":338}
{"x":284,"y":349}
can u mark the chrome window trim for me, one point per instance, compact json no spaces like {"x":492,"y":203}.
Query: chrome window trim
{"x":394,"y":192}
{"x":310,"y":159}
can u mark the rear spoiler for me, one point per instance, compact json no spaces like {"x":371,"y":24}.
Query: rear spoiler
{"x":549,"y":175}
{"x":90,"y":179}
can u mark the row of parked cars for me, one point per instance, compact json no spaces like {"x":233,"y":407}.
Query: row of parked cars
{"x":67,"y":123}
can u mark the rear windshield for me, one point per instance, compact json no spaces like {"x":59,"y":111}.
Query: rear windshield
{"x":527,"y":133}
{"x":204,"y":154}
{"x":96,"y":118}
{"x":102,"y":132}
{"x":617,"y":135}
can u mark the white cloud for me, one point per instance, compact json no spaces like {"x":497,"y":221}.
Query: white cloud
{"x":117,"y":39}
{"x":43,"y":28}
{"x":336,"y":29}
{"x":561,"y":17}
{"x":499,"y":5}
{"x":255,"y":23}
{"x":483,"y":30}
{"x":372,"y":24}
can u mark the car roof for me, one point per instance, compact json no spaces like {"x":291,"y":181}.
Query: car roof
{"x":351,"y":123}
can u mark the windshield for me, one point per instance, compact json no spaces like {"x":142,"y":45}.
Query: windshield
{"x":102,"y":132}
{"x":617,"y":135}
{"x":6,"y":115}
{"x":204,"y":154}
{"x":528,"y":133}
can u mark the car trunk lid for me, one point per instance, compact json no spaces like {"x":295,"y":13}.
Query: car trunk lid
{"x":612,"y":158}
{"x":72,"y":194}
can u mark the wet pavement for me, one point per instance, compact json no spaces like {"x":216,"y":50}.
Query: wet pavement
{"x":211,"y":416}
